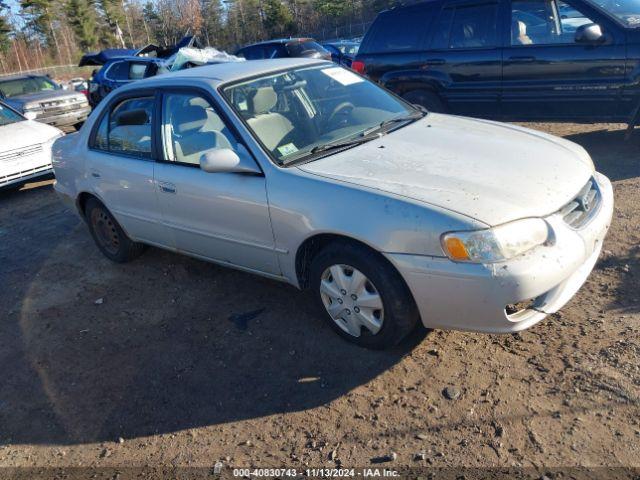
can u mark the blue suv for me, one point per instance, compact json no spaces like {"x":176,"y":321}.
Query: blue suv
{"x":546,"y":60}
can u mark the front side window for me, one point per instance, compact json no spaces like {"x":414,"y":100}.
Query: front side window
{"x":127,"y":128}
{"x":545,"y":22}
{"x":26,"y":86}
{"x":8,"y":116}
{"x":191,"y":127}
{"x":301,"y":112}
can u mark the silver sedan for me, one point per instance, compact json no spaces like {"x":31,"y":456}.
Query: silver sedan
{"x":305,"y":172}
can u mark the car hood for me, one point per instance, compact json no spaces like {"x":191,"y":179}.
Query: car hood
{"x":16,"y":136}
{"x":485,"y":170}
{"x":46,"y":96}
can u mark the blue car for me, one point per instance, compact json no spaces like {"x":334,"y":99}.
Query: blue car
{"x":121,"y":71}
{"x":342,"y":51}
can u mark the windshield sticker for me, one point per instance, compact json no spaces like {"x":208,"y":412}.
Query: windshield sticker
{"x":287,"y":149}
{"x":342,"y":76}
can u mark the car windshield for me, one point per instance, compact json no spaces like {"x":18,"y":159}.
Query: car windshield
{"x":26,"y":86}
{"x":301,"y":112}
{"x":8,"y":116}
{"x":627,"y":11}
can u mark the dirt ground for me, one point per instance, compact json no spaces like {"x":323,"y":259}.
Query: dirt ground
{"x":170,"y":361}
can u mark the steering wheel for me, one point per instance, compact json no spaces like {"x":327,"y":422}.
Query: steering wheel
{"x":342,"y":109}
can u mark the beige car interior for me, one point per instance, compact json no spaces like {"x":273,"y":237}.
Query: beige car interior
{"x":271,"y":127}
{"x":131,"y":131}
{"x":194,"y":127}
{"x":519,"y":33}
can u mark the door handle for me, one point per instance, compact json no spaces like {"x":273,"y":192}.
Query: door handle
{"x":167,"y":187}
{"x":435,"y":61}
{"x":95,"y":174}
{"x":522,"y":59}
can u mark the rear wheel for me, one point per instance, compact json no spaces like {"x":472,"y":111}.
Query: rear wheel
{"x":362,"y":296}
{"x":108,"y":235}
{"x":429,"y":100}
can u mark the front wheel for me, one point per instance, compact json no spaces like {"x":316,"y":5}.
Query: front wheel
{"x":108,"y":235}
{"x":362,"y":297}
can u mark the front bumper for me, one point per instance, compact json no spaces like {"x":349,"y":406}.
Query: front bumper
{"x":473,"y":297}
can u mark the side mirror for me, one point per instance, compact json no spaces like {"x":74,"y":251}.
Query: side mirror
{"x":590,"y":33}
{"x":225,"y":160}
{"x":30,"y":115}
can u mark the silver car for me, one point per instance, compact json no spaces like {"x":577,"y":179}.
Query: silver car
{"x":305,"y":172}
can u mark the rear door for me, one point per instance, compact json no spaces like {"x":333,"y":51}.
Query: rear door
{"x":121,"y":163}
{"x":465,"y":57}
{"x":547,"y":75}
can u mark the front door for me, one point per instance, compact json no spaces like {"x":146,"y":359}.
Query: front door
{"x":219,"y":216}
{"x":547,"y":75}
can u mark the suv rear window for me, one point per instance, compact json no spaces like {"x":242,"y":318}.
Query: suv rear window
{"x":299,"y":48}
{"x":398,"y":30}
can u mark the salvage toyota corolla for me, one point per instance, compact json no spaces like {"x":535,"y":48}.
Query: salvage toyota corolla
{"x":303,"y":171}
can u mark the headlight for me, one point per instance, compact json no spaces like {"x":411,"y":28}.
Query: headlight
{"x":495,"y":244}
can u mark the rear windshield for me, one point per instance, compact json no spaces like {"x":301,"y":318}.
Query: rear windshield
{"x":300,"y":48}
{"x":398,"y":30}
{"x":26,"y":86}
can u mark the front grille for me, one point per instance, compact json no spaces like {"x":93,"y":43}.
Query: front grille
{"x":21,"y":153}
{"x":579,"y":210}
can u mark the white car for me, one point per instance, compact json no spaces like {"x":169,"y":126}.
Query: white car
{"x":305,"y":172}
{"x":25,"y":147}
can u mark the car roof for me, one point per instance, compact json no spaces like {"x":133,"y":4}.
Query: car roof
{"x":136,"y":59}
{"x":281,"y":40}
{"x":22,"y":76}
{"x":220,"y":73}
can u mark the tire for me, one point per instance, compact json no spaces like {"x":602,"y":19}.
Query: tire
{"x":399,"y":314}
{"x":429,"y":100}
{"x":108,"y":235}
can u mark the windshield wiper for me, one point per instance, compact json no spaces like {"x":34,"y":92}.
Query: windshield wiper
{"x":391,"y":121}
{"x":336,"y":145}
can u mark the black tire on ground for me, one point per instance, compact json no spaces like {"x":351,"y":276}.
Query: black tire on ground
{"x":400,"y":312}
{"x":429,"y":100}
{"x":108,"y":235}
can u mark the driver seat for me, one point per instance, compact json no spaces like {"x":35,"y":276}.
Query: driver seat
{"x":270,"y":127}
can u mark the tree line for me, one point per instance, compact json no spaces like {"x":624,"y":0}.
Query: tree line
{"x":38,"y":33}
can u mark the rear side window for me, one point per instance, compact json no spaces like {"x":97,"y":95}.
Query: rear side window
{"x":398,"y":31}
{"x":300,"y":48}
{"x":463,"y":27}
{"x":252,"y":53}
{"x":136,"y":71}
{"x":127,"y":128}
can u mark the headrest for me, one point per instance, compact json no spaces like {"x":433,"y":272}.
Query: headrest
{"x":519,"y":28}
{"x":263,"y":100}
{"x":133,"y":117}
{"x":189,"y":118}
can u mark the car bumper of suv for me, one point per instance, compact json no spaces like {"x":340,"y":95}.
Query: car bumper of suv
{"x":64,"y":119}
{"x":474,"y":297}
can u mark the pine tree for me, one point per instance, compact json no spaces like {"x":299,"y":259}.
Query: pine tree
{"x":278,"y":19}
{"x":82,"y":18}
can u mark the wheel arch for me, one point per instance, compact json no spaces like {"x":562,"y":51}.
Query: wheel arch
{"x":312,"y":245}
